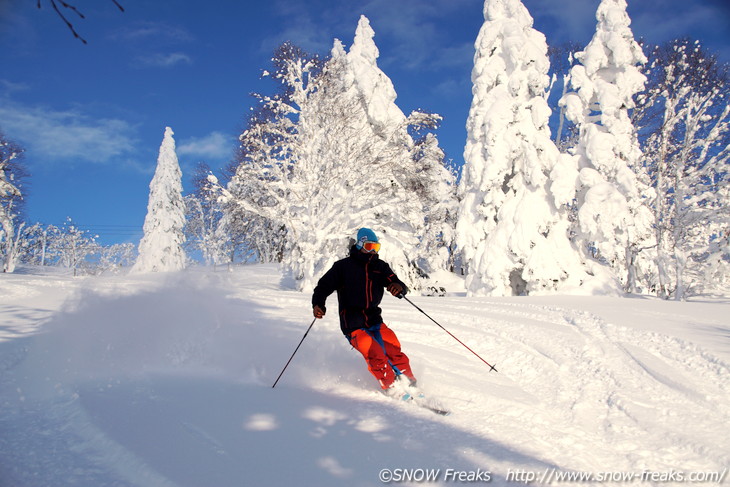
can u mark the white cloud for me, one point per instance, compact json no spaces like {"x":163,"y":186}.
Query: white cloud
{"x":215,"y":145}
{"x":158,"y":31}
{"x":165,"y":39}
{"x":49,"y":135}
{"x":163,"y":60}
{"x":410,"y":34}
{"x":10,"y":87}
{"x":299,"y":27}
{"x":700,"y":20}
{"x":567,"y":20}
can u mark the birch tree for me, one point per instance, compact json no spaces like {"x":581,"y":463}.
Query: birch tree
{"x":11,"y":199}
{"x":329,"y":154}
{"x":685,"y":118}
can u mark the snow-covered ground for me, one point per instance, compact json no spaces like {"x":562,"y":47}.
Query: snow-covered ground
{"x":165,"y":380}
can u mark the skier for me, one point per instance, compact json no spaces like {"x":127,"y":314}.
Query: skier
{"x":359,"y":281}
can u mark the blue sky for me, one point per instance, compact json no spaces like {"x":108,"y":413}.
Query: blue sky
{"x":91,"y":117}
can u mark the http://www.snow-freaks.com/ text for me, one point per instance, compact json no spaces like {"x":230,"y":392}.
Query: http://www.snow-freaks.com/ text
{"x":550,"y":475}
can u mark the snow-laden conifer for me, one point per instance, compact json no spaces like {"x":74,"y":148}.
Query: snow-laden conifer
{"x":216,"y":230}
{"x":613,"y":215}
{"x":513,"y":221}
{"x":161,"y":247}
{"x":437,"y":192}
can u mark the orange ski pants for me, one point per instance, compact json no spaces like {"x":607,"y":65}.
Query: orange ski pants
{"x":381,"y":350}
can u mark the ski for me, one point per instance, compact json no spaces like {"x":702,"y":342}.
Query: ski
{"x":418,"y":398}
{"x":421,"y":401}
{"x":439,"y":411}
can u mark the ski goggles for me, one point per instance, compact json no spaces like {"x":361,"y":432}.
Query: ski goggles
{"x":371,"y":247}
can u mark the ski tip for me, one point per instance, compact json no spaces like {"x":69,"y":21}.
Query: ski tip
{"x":441,"y":412}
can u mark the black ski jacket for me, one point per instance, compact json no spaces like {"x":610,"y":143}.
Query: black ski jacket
{"x":359,"y":280}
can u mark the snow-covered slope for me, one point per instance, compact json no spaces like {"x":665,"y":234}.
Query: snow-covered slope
{"x":165,"y":380}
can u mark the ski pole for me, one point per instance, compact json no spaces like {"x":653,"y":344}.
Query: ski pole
{"x":295,"y":352}
{"x":447,"y":331}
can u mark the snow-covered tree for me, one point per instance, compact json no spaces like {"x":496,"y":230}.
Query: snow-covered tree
{"x":685,"y":121}
{"x":221,"y":232}
{"x":11,"y":199}
{"x":298,"y":167}
{"x":70,"y":247}
{"x":515,"y":188}
{"x":613,"y":204}
{"x":204,"y":216}
{"x":437,"y":192}
{"x":562,"y":59}
{"x":412,"y":172}
{"x":115,"y":257}
{"x":330,"y":154}
{"x":74,"y":248}
{"x":161,"y":247}
{"x":716,"y":275}
{"x":271,"y":178}
{"x":35,"y":245}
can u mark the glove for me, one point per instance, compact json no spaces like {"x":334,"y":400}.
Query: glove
{"x":396,"y":289}
{"x":318,"y":312}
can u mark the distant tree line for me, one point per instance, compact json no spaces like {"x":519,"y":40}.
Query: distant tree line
{"x":27,"y":243}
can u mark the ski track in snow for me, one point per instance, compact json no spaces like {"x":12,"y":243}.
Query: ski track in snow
{"x":165,"y":380}
{"x":602,"y":389}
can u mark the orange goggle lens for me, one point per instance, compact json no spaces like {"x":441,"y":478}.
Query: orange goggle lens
{"x":371,"y":246}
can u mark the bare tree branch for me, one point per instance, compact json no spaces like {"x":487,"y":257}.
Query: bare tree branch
{"x":56,"y":3}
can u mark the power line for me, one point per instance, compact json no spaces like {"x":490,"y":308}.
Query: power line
{"x":107,"y":229}
{"x":112,"y":230}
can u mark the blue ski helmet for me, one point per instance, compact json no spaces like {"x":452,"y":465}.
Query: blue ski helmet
{"x":365,"y":235}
